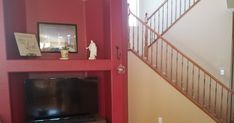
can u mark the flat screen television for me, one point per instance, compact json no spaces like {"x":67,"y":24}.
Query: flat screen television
{"x":60,"y":98}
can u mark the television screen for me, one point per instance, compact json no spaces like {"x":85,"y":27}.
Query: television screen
{"x":57,"y":98}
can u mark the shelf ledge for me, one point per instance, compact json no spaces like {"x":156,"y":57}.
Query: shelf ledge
{"x":56,"y":65}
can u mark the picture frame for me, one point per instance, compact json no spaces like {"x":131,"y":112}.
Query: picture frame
{"x":27,"y":44}
{"x":55,"y":36}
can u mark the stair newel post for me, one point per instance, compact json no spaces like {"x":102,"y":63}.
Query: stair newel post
{"x":129,"y":42}
{"x":146,"y":38}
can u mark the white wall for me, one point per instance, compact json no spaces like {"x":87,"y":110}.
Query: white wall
{"x":148,"y":6}
{"x":205,"y":34}
{"x":151,"y":97}
{"x":230,"y":4}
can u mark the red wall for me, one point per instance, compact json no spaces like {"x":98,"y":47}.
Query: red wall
{"x":88,"y":15}
{"x":17,"y":96}
{"x":23,"y":15}
{"x":94,"y":24}
{"x":58,"y":11}
{"x":100,"y":20}
{"x":14,"y":17}
{"x":106,"y":21}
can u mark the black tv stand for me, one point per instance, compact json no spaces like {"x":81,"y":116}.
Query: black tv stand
{"x":77,"y":119}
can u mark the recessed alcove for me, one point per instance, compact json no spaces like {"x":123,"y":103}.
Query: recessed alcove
{"x":17,"y":91}
{"x":91,"y":17}
{"x":98,"y":20}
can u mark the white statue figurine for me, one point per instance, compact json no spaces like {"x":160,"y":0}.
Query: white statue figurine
{"x":93,"y":50}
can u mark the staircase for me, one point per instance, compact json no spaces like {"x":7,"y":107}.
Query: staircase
{"x":168,"y":14}
{"x":179,"y":70}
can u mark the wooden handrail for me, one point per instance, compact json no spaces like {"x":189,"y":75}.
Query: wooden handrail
{"x":168,"y":14}
{"x":194,"y":102}
{"x":157,"y":9}
{"x":177,"y":20}
{"x":137,"y":18}
{"x":181,"y":71}
{"x":185,"y":56}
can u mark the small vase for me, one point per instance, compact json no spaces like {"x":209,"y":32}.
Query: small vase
{"x":64,"y":54}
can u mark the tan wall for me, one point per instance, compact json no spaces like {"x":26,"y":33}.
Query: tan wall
{"x":205,"y":34}
{"x":151,"y":97}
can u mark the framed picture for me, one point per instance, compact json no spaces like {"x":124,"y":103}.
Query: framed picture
{"x":27,"y":44}
{"x":54,"y":36}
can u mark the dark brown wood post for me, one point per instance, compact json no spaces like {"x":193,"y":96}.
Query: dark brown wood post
{"x":146,"y":38}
